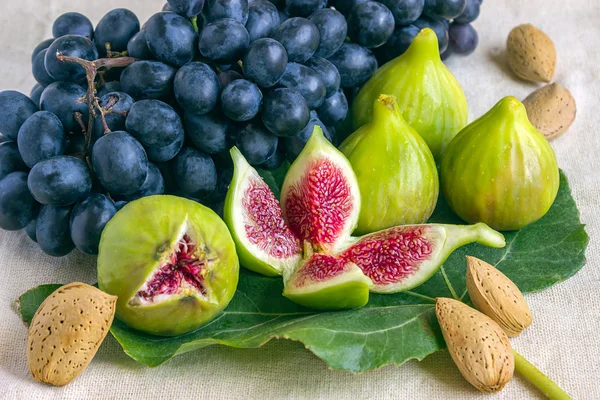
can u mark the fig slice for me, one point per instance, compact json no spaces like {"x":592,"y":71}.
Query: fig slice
{"x":171,"y":262}
{"x":264,"y":242}
{"x":325,"y":282}
{"x":320,"y":196}
{"x":403,"y":257}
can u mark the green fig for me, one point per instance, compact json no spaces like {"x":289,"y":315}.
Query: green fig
{"x":396,"y":172}
{"x":429,"y":96}
{"x":500,"y":170}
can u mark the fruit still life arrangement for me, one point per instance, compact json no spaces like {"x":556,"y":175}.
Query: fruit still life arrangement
{"x":298,"y":169}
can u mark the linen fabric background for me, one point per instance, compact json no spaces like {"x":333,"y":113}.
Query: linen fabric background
{"x":563,"y":340}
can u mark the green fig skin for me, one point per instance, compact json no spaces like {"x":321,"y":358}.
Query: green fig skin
{"x":396,"y":171}
{"x":500,"y":170}
{"x":429,"y":96}
{"x":139,"y":237}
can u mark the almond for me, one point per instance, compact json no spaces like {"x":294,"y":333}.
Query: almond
{"x":498,"y":297}
{"x":551,"y":109}
{"x":478,"y":346}
{"x":66,"y":331}
{"x":531,"y":54}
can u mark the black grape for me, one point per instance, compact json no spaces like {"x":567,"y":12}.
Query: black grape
{"x":88,"y":219}
{"x":154,"y":184}
{"x":119,"y":104}
{"x":166,"y":153}
{"x":294,"y":145}
{"x":285,"y":112}
{"x":302,"y":8}
{"x":120,"y":204}
{"x":53,"y":231}
{"x":241,"y":100}
{"x":438,"y":26}
{"x":74,"y":46}
{"x":256,"y":143}
{"x":370,"y":24}
{"x":399,"y":42}
{"x":224,"y":177}
{"x":306,"y":81}
{"x":236,"y":9}
{"x":405,"y":11}
{"x":120,"y":163}
{"x":187,"y":8}
{"x":334,"y":109}
{"x":355,"y":63}
{"x":36,"y":93}
{"x":197,"y":88}
{"x":17,"y":206}
{"x":445,"y":8}
{"x":463,"y":38}
{"x":109,"y":87}
{"x":194,"y":172}
{"x":265,"y":61}
{"x":41,"y":46}
{"x":15,"y":108}
{"x":38,"y":69}
{"x":332,"y":31}
{"x":226,"y":77}
{"x":154,"y":123}
{"x":209,"y":132}
{"x":328,"y":73}
{"x":274,"y":161}
{"x":224,"y":41}
{"x":60,"y":181}
{"x":30,"y":230}
{"x":283,"y":17}
{"x":300,"y":38}
{"x":41,"y":137}
{"x":10,"y":159}
{"x":73,"y":23}
{"x":117,"y":27}
{"x":171,"y":38}
{"x":138,"y":47}
{"x":61,"y":99}
{"x":74,"y":144}
{"x":470,"y":13}
{"x":263,"y":19}
{"x":344,"y":6}
{"x":148,"y":80}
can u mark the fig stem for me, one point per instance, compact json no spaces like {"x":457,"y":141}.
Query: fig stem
{"x":91,"y":98}
{"x":538,"y":379}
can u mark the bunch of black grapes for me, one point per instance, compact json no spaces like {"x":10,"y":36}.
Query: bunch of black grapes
{"x":208,"y":75}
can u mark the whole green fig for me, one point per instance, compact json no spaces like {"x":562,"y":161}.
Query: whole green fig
{"x":500,"y":170}
{"x":395,"y":169}
{"x":430,"y":98}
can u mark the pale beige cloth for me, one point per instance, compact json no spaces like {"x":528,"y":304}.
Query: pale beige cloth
{"x":564,"y":340}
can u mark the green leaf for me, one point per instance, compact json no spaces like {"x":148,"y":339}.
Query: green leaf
{"x":391,"y":329}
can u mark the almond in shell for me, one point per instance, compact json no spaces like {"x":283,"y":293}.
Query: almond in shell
{"x":66,"y":331}
{"x":531,"y":54}
{"x":478,"y":346}
{"x":498,"y":297}
{"x":551,"y":109}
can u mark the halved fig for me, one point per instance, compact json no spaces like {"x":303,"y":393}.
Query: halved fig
{"x":171,"y":262}
{"x":326,"y":282}
{"x":403,"y":257}
{"x":264,"y":242}
{"x":320,"y":196}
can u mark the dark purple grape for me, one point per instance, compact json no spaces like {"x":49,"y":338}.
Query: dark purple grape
{"x":370,"y":24}
{"x":60,"y":181}
{"x":171,"y":38}
{"x":109,"y":87}
{"x":439,"y":26}
{"x":285,"y":112}
{"x":236,"y":9}
{"x":36,"y":93}
{"x":17,"y":206}
{"x":148,"y":80}
{"x":241,"y":100}
{"x":41,"y":137}
{"x":224,"y":41}
{"x":41,"y":46}
{"x":328,"y":73}
{"x":470,"y":13}
{"x":53,"y":232}
{"x":209,"y":132}
{"x":306,"y":81}
{"x":256,"y":143}
{"x":274,"y":161}
{"x":300,"y":37}
{"x":399,"y":42}
{"x":153,"y":185}
{"x":138,"y":47}
{"x":187,"y":8}
{"x":355,"y":63}
{"x":404,"y":11}
{"x":194,"y":172}
{"x":445,"y":8}
{"x":72,"y":23}
{"x":74,"y":46}
{"x":263,"y":19}
{"x":38,"y":69}
{"x":334,"y":109}
{"x":463,"y":38}
{"x":119,"y":104}
{"x":332,"y":28}
{"x":15,"y":108}
{"x":88,"y":219}
{"x":10,"y":159}
{"x":294,"y":145}
{"x":226,"y":77}
{"x":224,"y":177}
{"x":197,"y":88}
{"x":61,"y":99}
{"x":167,"y":153}
{"x":117,"y":27}
{"x":30,"y":230}
{"x":302,"y":8}
{"x":154,"y":123}
{"x":265,"y":61}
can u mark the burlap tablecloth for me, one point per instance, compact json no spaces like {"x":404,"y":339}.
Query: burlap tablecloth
{"x":563,"y":341}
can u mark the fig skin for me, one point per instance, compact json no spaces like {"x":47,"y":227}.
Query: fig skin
{"x":396,"y":171}
{"x":429,"y":96}
{"x":135,"y":241}
{"x":500,"y":170}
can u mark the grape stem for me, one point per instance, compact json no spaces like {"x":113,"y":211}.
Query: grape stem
{"x":91,"y":98}
{"x":538,"y":379}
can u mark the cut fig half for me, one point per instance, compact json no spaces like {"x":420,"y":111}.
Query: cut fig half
{"x":264,"y":242}
{"x":325,"y":282}
{"x":171,"y":262}
{"x":320,"y":196}
{"x":404,"y":257}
